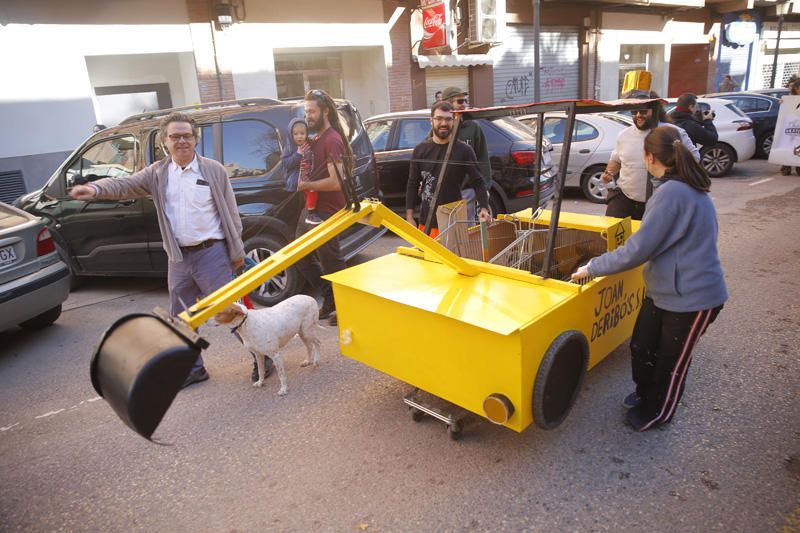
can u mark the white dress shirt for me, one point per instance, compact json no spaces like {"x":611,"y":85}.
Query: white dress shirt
{"x":629,"y":152}
{"x":189,"y":206}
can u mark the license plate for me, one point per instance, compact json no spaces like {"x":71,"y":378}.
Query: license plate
{"x":7,"y":255}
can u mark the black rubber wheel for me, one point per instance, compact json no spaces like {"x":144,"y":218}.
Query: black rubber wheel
{"x":416,"y":414}
{"x":496,"y":204}
{"x":559,"y":379}
{"x":454,"y":430}
{"x":277,"y":288}
{"x":764,"y":144}
{"x":592,"y":184}
{"x":43,"y":320}
{"x":717,"y":160}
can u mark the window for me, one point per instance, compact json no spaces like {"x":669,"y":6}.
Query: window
{"x":113,"y":158}
{"x":413,"y":132}
{"x":379,"y":134}
{"x":249,"y":148}
{"x":751,"y":105}
{"x":554,"y":129}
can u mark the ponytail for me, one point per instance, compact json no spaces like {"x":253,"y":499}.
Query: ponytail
{"x":665,"y":144}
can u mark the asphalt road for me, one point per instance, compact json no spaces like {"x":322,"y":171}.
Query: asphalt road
{"x":340,"y":452}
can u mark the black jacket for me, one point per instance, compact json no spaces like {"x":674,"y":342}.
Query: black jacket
{"x":702,"y":133}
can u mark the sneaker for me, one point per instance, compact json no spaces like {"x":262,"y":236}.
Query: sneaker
{"x":333,"y":320}
{"x":328,"y":304}
{"x":640,"y":420}
{"x":786,"y":171}
{"x":195,"y":376}
{"x":313,"y":219}
{"x":267,"y":369}
{"x":631,"y":400}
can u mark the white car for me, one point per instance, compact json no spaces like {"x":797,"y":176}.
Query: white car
{"x":737,"y":141}
{"x":593,"y":141}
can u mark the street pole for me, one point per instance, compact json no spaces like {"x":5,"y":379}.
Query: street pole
{"x":536,"y":32}
{"x":777,"y":46}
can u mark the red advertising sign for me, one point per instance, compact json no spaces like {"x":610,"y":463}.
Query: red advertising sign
{"x":434,"y":24}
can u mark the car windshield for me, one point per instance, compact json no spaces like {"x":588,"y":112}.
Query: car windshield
{"x":514,"y":128}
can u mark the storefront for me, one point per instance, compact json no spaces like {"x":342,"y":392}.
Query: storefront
{"x":559,"y":64}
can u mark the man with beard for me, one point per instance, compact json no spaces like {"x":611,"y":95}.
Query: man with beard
{"x":633,"y":184}
{"x":426,"y":164}
{"x":328,"y":148}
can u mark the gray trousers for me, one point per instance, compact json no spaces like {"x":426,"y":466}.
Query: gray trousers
{"x":199,"y":274}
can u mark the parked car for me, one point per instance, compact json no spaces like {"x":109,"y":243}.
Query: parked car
{"x":593,"y":140}
{"x":121,"y":237}
{"x":736,"y":141}
{"x":34,"y":280}
{"x":762,"y":109}
{"x":512,"y":155}
{"x":775,"y":92}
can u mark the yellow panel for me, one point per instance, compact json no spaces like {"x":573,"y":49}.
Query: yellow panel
{"x":494,"y":303}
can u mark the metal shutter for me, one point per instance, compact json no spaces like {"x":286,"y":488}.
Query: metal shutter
{"x":12,"y":186}
{"x":437,"y":78}
{"x":560,"y":65}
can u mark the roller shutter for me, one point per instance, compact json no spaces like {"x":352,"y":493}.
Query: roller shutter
{"x":437,"y":78}
{"x":560,"y":65}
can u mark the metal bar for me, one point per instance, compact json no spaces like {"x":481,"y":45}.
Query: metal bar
{"x":777,"y":47}
{"x":559,"y":196}
{"x":453,"y":139}
{"x":537,"y":172}
{"x":536,"y":52}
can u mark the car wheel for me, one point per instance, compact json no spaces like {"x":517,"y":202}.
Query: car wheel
{"x":717,"y":160}
{"x":280,"y":286}
{"x":43,"y":320}
{"x":592,"y":184}
{"x":495,"y":204}
{"x":764,"y":144}
{"x":559,"y":379}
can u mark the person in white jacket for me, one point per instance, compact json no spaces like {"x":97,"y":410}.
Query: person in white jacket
{"x":633,"y":183}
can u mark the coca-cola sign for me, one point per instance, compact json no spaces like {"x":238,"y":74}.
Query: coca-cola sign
{"x":434,"y":24}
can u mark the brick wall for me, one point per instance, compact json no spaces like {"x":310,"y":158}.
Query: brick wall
{"x":406,"y":79}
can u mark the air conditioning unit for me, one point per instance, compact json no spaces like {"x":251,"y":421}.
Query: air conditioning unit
{"x":487,"y":19}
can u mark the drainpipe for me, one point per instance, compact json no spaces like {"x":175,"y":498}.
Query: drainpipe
{"x":777,"y":46}
{"x":536,"y":33}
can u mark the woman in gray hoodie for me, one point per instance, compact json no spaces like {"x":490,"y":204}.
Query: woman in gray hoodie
{"x":677,"y":242}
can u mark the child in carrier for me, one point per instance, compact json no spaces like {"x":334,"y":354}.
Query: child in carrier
{"x":297,"y":163}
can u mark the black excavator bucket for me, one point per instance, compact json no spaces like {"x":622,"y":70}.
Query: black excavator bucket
{"x":140,"y":365}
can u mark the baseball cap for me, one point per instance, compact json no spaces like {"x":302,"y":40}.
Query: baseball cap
{"x":451,"y":92}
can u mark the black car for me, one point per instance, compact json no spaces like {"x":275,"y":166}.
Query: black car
{"x":121,"y":237}
{"x":762,"y":109}
{"x":512,"y":154}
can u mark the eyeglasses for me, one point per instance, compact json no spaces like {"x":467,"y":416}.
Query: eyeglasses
{"x":175,"y":137}
{"x":462,"y":101}
{"x":443,"y":119}
{"x":642,"y":112}
{"x":316,"y":93}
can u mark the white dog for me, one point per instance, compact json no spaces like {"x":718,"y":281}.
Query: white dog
{"x":266,"y":331}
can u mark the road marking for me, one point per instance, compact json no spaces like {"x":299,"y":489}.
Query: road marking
{"x":56,"y":412}
{"x":759,"y":182}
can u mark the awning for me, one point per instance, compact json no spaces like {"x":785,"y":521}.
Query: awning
{"x":465,"y":60}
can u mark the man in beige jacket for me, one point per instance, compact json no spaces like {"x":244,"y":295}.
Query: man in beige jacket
{"x":197,"y":216}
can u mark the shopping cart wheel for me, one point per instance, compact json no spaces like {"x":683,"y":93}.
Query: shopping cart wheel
{"x":416,"y":414}
{"x":454,"y":430}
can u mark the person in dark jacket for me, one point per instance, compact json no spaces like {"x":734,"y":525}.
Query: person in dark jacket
{"x":471,"y":133}
{"x":677,"y":243}
{"x":699,"y":127}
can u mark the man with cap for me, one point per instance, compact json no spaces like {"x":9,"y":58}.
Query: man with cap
{"x":470,"y":132}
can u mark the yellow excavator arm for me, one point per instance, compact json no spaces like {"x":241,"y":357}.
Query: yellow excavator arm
{"x":371,"y":212}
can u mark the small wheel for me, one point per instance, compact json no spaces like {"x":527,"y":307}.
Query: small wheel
{"x":416,"y":414}
{"x":454,"y":430}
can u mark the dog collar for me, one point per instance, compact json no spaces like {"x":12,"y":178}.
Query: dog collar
{"x":234,"y":330}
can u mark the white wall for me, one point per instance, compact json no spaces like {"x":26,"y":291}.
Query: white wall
{"x":47,"y":105}
{"x":619,"y":29}
{"x":366,"y":81}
